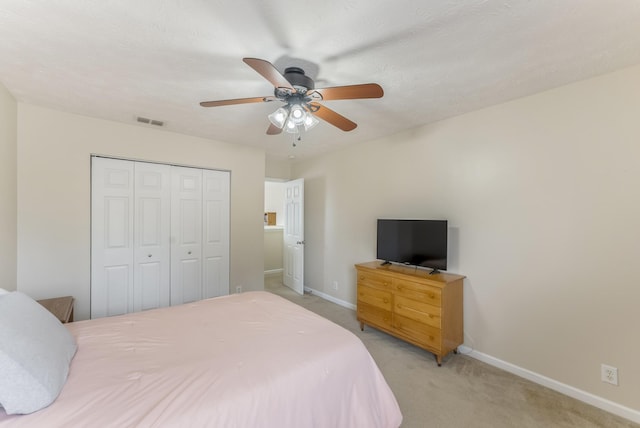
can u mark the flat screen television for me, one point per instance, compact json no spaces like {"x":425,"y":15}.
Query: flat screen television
{"x":413,"y":242}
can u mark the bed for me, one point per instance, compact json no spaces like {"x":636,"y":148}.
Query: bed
{"x":246,"y":360}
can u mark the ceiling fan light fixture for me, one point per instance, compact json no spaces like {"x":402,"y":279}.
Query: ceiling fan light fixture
{"x":310,"y":121}
{"x":291,"y":127}
{"x":297,"y":114}
{"x":279,"y":117}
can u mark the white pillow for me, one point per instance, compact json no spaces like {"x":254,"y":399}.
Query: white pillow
{"x":35,"y":352}
{"x":3,"y":291}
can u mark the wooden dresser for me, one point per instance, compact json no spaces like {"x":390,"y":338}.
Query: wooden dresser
{"x":422,"y":309}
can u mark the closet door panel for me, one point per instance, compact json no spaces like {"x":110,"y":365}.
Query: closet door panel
{"x":190,"y":277}
{"x":160,"y":235}
{"x":186,"y":235}
{"x":111,"y":237}
{"x":152,"y":263}
{"x":147,"y":287}
{"x":216,"y":233}
{"x":117,"y":286}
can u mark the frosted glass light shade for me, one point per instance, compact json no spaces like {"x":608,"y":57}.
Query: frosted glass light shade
{"x":297,"y":114}
{"x":310,"y":121}
{"x":291,"y":127}
{"x":278,"y":117}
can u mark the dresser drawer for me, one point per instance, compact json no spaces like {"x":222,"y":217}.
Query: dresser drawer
{"x":416,"y":291}
{"x":374,"y":297}
{"x":417,"y":311}
{"x":374,"y":280}
{"x":374,"y":316}
{"x":420,"y":333}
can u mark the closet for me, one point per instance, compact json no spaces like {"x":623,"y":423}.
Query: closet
{"x":159,"y":235}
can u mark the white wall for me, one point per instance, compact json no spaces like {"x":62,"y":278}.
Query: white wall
{"x":8,"y":189}
{"x":542,"y":198}
{"x":273,"y":250}
{"x":54,"y":151}
{"x":277,"y":168}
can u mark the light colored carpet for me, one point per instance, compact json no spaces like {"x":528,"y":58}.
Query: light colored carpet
{"x":464,"y":392}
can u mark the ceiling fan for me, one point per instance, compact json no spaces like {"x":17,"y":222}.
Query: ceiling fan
{"x":301,"y":99}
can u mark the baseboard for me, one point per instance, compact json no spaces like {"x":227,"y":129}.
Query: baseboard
{"x":273,"y":272}
{"x":578,"y":394}
{"x":331,"y":298}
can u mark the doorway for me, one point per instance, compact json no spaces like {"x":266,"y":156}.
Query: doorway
{"x":284,"y":240}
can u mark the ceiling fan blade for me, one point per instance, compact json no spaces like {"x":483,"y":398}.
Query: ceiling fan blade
{"x":237,"y":101}
{"x":366,"y":90}
{"x":269,"y":72}
{"x":273,"y":130}
{"x":332,"y":117}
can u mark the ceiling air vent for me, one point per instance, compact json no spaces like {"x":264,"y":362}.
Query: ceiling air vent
{"x":149,"y":121}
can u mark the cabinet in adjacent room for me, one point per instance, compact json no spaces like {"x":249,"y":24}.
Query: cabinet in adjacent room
{"x":411,"y":304}
{"x":159,"y":235}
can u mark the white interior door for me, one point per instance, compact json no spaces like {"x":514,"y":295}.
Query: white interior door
{"x":152,"y":252}
{"x":112,"y":222}
{"x":215,"y":201}
{"x":293,"y":257}
{"x":186,"y":235}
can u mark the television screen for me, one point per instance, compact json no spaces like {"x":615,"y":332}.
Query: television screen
{"x":413,"y":242}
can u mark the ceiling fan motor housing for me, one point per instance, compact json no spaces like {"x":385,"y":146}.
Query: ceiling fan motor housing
{"x":297,"y":78}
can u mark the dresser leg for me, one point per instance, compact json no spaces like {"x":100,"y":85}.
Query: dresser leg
{"x":361,"y":326}
{"x":439,"y":360}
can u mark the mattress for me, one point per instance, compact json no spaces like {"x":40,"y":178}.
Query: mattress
{"x":246,"y":360}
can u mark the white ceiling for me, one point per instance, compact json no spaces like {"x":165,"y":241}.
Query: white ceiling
{"x":435,"y":59}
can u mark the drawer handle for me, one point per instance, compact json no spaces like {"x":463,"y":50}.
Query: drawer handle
{"x":385,"y":300}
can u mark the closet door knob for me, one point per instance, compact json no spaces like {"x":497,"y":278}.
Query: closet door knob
{"x":189,"y":252}
{"x":149,"y":255}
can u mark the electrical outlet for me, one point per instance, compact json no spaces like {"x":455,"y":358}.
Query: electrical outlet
{"x":335,"y":285}
{"x":609,"y":374}
{"x":239,"y":289}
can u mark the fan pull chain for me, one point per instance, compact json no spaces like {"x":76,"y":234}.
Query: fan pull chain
{"x":296,"y":137}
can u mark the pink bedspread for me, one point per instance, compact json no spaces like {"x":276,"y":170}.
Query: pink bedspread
{"x":245,"y":360}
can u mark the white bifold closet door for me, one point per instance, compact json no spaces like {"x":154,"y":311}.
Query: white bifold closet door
{"x":151,"y":236}
{"x":200,"y":234}
{"x":159,"y":235}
